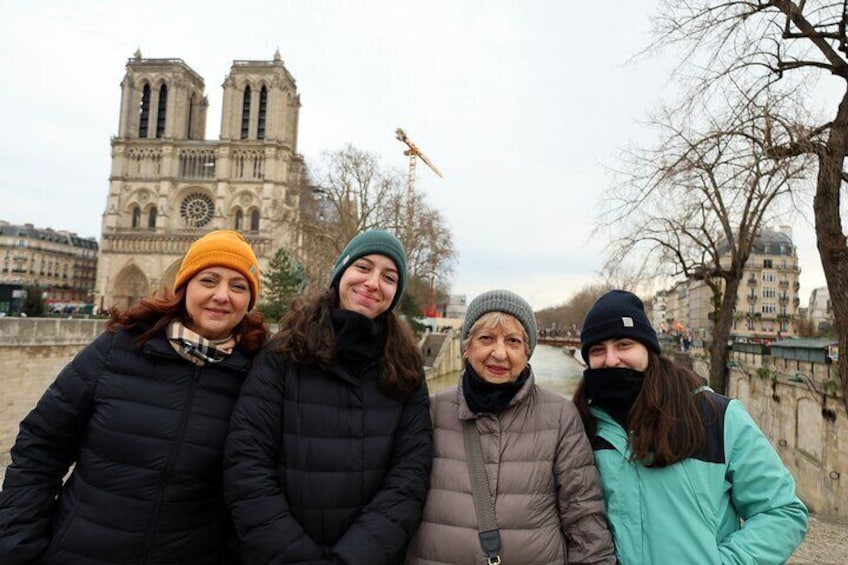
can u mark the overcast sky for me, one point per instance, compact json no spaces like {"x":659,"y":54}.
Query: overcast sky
{"x":523,"y":105}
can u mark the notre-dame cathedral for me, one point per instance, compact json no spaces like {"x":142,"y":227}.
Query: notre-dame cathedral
{"x":168,"y":185}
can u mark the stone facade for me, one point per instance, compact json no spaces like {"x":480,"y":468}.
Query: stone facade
{"x":806,"y":423}
{"x":32,"y":352}
{"x":168,"y":185}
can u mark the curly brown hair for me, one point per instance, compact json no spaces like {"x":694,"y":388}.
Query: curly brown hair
{"x":666,"y":422}
{"x":155,"y":312}
{"x":306,"y":336}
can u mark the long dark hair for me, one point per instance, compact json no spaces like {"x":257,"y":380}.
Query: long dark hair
{"x":306,"y":336}
{"x":666,"y":423}
{"x":155,"y":312}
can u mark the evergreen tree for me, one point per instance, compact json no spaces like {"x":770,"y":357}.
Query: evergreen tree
{"x":284,"y":279}
{"x":411,"y":312}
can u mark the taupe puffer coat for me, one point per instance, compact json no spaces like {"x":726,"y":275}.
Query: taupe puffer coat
{"x":549,"y":505}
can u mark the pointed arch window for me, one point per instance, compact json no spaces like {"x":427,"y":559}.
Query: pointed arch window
{"x":245,"y":113}
{"x":144,"y":111}
{"x":160,"y":112}
{"x":254,"y":220}
{"x":263,"y":107}
{"x":239,"y":221}
{"x":136,"y":216}
{"x":151,"y":218}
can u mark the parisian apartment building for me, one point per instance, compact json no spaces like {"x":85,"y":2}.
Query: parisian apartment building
{"x":58,"y":264}
{"x":767,"y":302}
{"x":820,"y":309}
{"x":169,"y":185}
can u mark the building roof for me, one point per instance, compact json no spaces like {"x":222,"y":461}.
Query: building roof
{"x":805,"y":343}
{"x":769,"y":242}
{"x":48,"y":234}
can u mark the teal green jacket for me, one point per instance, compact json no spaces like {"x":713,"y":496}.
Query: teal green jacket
{"x":693,"y":511}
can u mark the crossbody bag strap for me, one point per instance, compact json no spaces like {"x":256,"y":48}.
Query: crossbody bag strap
{"x":484,"y":502}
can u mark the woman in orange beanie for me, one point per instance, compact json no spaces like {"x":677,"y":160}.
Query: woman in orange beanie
{"x":141,"y":414}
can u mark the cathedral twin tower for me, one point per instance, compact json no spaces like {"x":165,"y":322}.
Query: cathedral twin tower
{"x":168,"y":185}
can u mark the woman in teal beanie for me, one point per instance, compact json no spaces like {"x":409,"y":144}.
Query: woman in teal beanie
{"x":687,"y":475}
{"x":330,"y":444}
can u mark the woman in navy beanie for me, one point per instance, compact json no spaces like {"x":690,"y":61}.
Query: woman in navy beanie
{"x":330,"y":446}
{"x":687,"y":475}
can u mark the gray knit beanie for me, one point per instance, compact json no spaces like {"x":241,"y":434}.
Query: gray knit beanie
{"x":368,"y":243}
{"x":617,"y":314}
{"x":502,"y":301}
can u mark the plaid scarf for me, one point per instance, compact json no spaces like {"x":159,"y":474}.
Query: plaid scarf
{"x":195,"y":348}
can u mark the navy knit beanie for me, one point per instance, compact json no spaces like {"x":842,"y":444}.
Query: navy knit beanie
{"x":368,"y":243}
{"x":502,"y":301}
{"x":614,"y":315}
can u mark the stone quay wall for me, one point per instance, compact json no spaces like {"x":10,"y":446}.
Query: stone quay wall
{"x":32,"y":353}
{"x":807,"y":428}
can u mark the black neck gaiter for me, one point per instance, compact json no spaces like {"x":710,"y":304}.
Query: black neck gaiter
{"x":483,"y":396}
{"x":359,"y":339}
{"x":614,"y":389}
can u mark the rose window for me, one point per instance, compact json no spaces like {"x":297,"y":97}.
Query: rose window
{"x":196,"y":210}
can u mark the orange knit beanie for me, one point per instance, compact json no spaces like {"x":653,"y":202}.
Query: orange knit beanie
{"x":221,"y":248}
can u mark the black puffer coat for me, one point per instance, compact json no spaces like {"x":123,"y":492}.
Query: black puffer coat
{"x":146,"y":431}
{"x":323,"y":467}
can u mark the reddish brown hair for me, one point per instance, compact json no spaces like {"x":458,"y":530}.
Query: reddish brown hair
{"x":155,"y":312}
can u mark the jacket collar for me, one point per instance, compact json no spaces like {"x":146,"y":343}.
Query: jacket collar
{"x":611,"y":430}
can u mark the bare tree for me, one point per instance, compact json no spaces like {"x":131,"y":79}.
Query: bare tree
{"x":350,"y":192}
{"x":771,"y":46}
{"x":695,"y":205}
{"x":570,"y":315}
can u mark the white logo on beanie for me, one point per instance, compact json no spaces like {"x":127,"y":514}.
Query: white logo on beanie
{"x":627,"y":322}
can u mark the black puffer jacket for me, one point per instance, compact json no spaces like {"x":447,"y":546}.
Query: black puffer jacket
{"x":323,"y":467}
{"x":146,"y":431}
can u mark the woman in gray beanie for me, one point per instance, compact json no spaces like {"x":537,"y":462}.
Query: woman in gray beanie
{"x":688,"y":476}
{"x":330,"y":443}
{"x":539,"y":472}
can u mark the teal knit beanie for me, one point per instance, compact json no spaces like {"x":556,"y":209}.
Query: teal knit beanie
{"x":372,"y":242}
{"x":502,"y":301}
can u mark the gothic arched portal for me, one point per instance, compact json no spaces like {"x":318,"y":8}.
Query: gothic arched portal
{"x":170,"y":274}
{"x":130,"y":287}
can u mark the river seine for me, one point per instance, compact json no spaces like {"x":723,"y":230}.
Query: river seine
{"x":553,"y":367}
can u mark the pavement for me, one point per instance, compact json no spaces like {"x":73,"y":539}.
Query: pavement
{"x":826,"y":544}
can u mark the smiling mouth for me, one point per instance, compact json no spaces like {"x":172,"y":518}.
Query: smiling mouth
{"x":217,"y":312}
{"x":367,"y":297}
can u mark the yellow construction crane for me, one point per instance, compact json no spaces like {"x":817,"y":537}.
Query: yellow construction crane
{"x":414,"y":154}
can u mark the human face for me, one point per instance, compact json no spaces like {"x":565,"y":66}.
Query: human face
{"x":216,"y":301}
{"x":622,"y":352}
{"x":369,"y":285}
{"x":498,"y":353}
